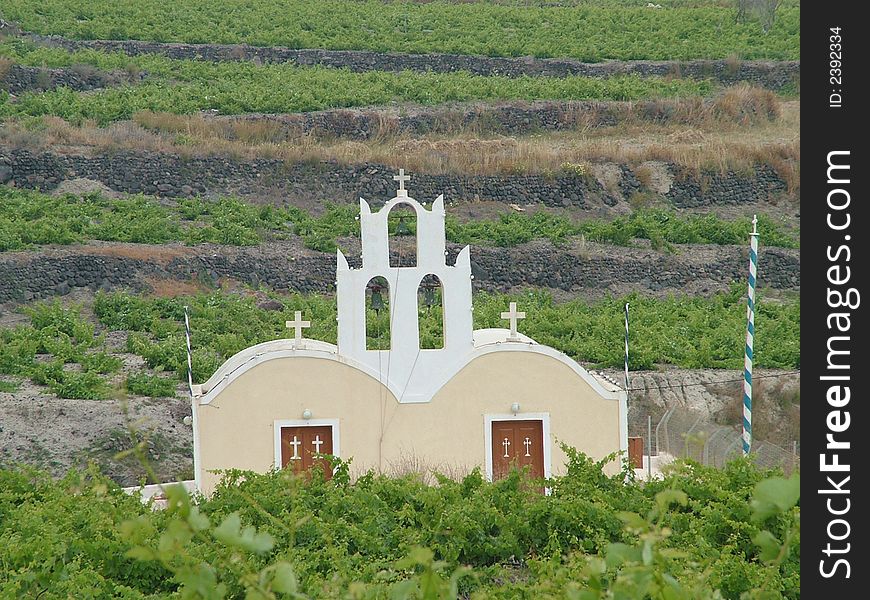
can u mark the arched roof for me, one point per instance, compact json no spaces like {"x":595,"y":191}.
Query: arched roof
{"x":486,"y":341}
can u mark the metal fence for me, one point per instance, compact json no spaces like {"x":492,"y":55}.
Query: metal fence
{"x":681,"y":433}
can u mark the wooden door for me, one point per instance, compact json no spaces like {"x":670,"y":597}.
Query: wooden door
{"x":517,"y":443}
{"x":300,"y":445}
{"x":635,"y":452}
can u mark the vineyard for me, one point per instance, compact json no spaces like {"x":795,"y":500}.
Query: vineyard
{"x":591,"y":31}
{"x":183,"y":87}
{"x":30,"y":219}
{"x":693,"y":333}
{"x":203,"y":157}
{"x":698,"y":533}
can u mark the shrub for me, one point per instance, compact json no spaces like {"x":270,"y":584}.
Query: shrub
{"x":100,"y":362}
{"x":8,"y":387}
{"x":699,"y":530}
{"x":233,"y":222}
{"x":189,"y":86}
{"x":17,"y":350}
{"x":83,"y":386}
{"x":588,"y":31}
{"x":144,"y":384}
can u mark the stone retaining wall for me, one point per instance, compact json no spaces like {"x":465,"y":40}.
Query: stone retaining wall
{"x":506,"y":118}
{"x":312,"y":184}
{"x":588,"y":270}
{"x":21,"y":79}
{"x":769,"y":74}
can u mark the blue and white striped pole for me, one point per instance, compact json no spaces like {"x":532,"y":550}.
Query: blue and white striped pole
{"x":750,"y":337}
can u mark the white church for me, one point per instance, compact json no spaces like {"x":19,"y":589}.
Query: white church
{"x":489,"y":397}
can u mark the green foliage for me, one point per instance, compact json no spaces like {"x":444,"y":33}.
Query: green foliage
{"x":684,"y":331}
{"x":18,"y":348}
{"x":8,"y":387}
{"x":67,"y":338}
{"x":591,"y":31}
{"x":320,"y":233}
{"x":83,"y":385}
{"x":31,"y":218}
{"x":155,"y":386}
{"x":59,"y":539}
{"x":673,"y":228}
{"x":100,"y":362}
{"x":679,"y":330}
{"x":189,"y":86}
{"x":261,"y":535}
{"x":135,"y":219}
{"x":690,"y":332}
{"x":221,"y":325}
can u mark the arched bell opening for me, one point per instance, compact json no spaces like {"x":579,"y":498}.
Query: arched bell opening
{"x":377,"y":314}
{"x":430,"y":303}
{"x":402,"y":231}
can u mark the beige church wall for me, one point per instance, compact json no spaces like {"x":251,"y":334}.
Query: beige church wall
{"x":490,"y":384}
{"x":236,"y":430}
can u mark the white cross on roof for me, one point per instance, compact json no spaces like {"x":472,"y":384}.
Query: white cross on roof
{"x":401,"y":178}
{"x":298,"y":324}
{"x":513,"y":315}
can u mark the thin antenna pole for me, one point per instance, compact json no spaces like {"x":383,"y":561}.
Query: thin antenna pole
{"x":750,"y":338}
{"x":193,"y":408}
{"x":189,"y":359}
{"x":626,"y":349}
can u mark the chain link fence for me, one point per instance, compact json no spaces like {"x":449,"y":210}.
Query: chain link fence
{"x":681,"y":433}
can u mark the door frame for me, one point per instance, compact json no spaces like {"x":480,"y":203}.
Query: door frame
{"x":281,"y":423}
{"x":544,"y":418}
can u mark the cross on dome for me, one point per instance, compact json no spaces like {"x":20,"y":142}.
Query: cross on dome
{"x":401,"y":178}
{"x":513,"y":315}
{"x":298,"y":324}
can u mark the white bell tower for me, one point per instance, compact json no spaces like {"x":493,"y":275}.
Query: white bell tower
{"x":405,"y":366}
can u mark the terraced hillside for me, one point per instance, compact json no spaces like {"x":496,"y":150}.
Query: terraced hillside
{"x":154,"y":155}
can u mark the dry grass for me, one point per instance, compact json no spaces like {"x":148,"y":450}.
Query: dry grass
{"x":743,"y":127}
{"x":247,"y":131}
{"x":735,"y":106}
{"x":732,"y":63}
{"x":5,"y":67}
{"x":156,"y":254}
{"x":644,"y":175}
{"x":410,"y":464}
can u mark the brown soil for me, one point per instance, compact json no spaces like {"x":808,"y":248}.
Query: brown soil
{"x":151,"y":253}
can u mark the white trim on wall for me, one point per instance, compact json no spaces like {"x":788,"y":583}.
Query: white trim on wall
{"x":197,"y":461}
{"x":487,"y":434}
{"x":280,"y":423}
{"x":623,"y":425}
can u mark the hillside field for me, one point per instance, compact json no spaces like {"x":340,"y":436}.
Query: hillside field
{"x":212,"y":154}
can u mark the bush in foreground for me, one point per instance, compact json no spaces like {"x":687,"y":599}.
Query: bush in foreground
{"x":698,"y":533}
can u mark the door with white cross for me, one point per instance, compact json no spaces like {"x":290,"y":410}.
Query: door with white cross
{"x":517,"y":444}
{"x":301,"y":445}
